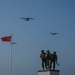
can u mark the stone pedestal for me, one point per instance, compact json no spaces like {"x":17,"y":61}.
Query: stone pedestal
{"x":48,"y":72}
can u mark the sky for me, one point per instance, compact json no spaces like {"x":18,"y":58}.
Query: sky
{"x":33,"y":36}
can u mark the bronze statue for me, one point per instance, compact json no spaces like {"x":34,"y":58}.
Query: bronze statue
{"x":49,"y":60}
{"x":48,"y":56}
{"x":53,"y":61}
{"x":43,"y":59}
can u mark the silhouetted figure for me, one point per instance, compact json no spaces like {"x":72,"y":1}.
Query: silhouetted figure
{"x":42,"y":56}
{"x":48,"y":56}
{"x":53,"y":60}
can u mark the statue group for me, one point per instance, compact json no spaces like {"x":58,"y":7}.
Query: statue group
{"x":49,"y":60}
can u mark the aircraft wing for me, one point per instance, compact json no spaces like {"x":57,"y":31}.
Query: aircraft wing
{"x":23,"y":18}
{"x":31,"y":18}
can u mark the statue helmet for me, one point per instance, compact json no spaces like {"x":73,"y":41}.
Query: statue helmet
{"x":54,"y":52}
{"x":47,"y":51}
{"x":42,"y":51}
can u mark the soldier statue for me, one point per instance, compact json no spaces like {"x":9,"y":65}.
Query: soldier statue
{"x":48,"y":56}
{"x":43,"y":59}
{"x":53,"y":61}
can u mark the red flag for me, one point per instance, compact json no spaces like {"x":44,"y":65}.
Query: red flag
{"x":6,"y":39}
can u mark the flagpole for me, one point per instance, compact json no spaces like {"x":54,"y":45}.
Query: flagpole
{"x":10,"y":64}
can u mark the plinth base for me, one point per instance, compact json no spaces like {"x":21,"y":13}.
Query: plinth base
{"x":48,"y":72}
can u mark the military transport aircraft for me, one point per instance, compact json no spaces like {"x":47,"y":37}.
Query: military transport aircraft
{"x":27,"y":19}
{"x":53,"y":33}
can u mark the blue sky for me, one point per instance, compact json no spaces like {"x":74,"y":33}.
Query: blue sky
{"x":33,"y":36}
